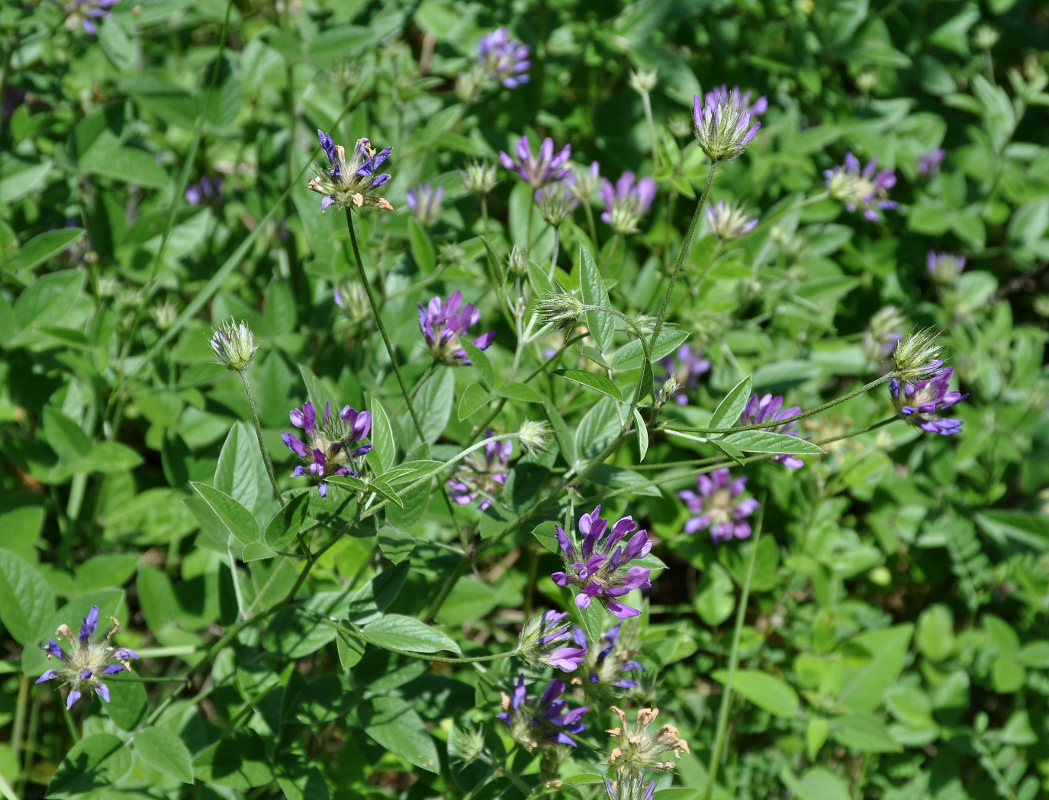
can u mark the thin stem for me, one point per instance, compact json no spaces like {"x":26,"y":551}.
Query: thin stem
{"x":21,"y":704}
{"x":238,"y":594}
{"x":726,"y":697}
{"x":685,"y":245}
{"x":258,"y":434}
{"x":557,"y":248}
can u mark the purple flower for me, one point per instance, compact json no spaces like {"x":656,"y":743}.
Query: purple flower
{"x":627,"y":201}
{"x":86,"y":12}
{"x":557,"y":201}
{"x":920,"y":402}
{"x":542,"y":639}
{"x":605,"y":663}
{"x":543,"y":168}
{"x":506,"y":59}
{"x":769,"y":410}
{"x":552,"y":722}
{"x":444,"y":321}
{"x":331,"y":448}
{"x":481,"y":476}
{"x":715,"y":506}
{"x":865,"y":189}
{"x":630,"y":789}
{"x":685,"y":367}
{"x":929,"y":164}
{"x":729,"y":221}
{"x":206,"y":190}
{"x":944,"y":267}
{"x":88,"y":659}
{"x":722,"y":122}
{"x":425,"y":202}
{"x":351,"y":182}
{"x":599,"y":565}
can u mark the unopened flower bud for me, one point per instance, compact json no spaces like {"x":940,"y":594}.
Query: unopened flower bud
{"x":234,"y":345}
{"x":643,"y":81}
{"x":917,"y":357}
{"x":164,"y":315}
{"x":535,"y":436}
{"x":985,"y":36}
{"x":541,"y":643}
{"x":478,"y":177}
{"x":517,"y":262}
{"x":560,"y":309}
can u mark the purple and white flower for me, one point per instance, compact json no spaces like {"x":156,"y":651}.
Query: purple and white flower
{"x":482,"y":474}
{"x":553,"y":721}
{"x":351,"y":182}
{"x":768,"y":410}
{"x":920,"y":403}
{"x":443,"y":322}
{"x":627,"y":201}
{"x":604,"y":662}
{"x":600,"y":564}
{"x":425,"y":202}
{"x":505,"y":59}
{"x":542,"y":168}
{"x":717,"y":505}
{"x":331,"y":448}
{"x":864,"y":189}
{"x":723,"y":121}
{"x":944,"y":267}
{"x":543,"y":641}
{"x":729,"y":220}
{"x":87,"y":659}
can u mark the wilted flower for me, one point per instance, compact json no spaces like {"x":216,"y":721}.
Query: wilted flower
{"x":506,"y":59}
{"x":353,"y":182}
{"x":686,"y":366}
{"x":482,"y":474}
{"x":87,"y":12}
{"x":600,"y":567}
{"x":630,"y":789}
{"x":478,"y":177}
{"x":604,"y":663}
{"x":729,"y":220}
{"x":443,"y":322}
{"x":944,"y":267}
{"x":234,"y":345}
{"x":717,"y":506}
{"x":543,"y":168}
{"x":557,"y":201}
{"x":204,"y":191}
{"x":919,"y":402}
{"x":722,"y":122}
{"x":425,"y":202}
{"x":553,"y":722}
{"x":884,"y":331}
{"x":627,"y":201}
{"x":332,"y":448}
{"x":542,"y":639}
{"x":864,"y":190}
{"x":638,"y":749}
{"x":88,"y":659}
{"x":768,"y":410}
{"x":929,"y":164}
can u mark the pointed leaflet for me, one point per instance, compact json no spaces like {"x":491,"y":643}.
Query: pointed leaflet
{"x":729,"y":410}
{"x":602,"y":326}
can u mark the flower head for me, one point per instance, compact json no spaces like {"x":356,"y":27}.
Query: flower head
{"x":600,"y":564}
{"x":586,"y":180}
{"x":556,"y":201}
{"x":686,"y":367}
{"x":884,"y":331}
{"x":544,"y":167}
{"x":630,"y":789}
{"x":552,"y":722}
{"x":638,"y":749}
{"x":506,"y":59}
{"x":351,"y":182}
{"x":561,"y":309}
{"x":444,"y":321}
{"x":206,"y":190}
{"x":605,"y":661}
{"x":535,"y":436}
{"x":543,"y":639}
{"x":769,"y":410}
{"x":627,"y":201}
{"x":944,"y":267}
{"x":87,"y":12}
{"x":643,"y":81}
{"x":234,"y":345}
{"x":482,"y":475}
{"x":865,"y":189}
{"x":331,"y":448}
{"x":717,"y":506}
{"x":920,"y":402}
{"x":353,"y":300}
{"x":88,"y":659}
{"x":722,"y":122}
{"x":729,"y":220}
{"x":917,"y":357}
{"x":425,"y":202}
{"x":478,"y":177}
{"x":929,"y":164}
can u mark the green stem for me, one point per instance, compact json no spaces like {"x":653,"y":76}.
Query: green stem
{"x":258,"y":434}
{"x":726,"y":697}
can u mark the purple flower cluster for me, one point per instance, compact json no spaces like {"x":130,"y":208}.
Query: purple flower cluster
{"x":506,"y":59}
{"x":482,"y":476}
{"x":722,"y":121}
{"x":542,"y":168}
{"x":552,"y":722}
{"x":627,"y":201}
{"x":717,"y":506}
{"x":929,"y":164}
{"x":206,"y":190}
{"x":685,"y":367}
{"x":600,"y":564}
{"x":331,"y":448}
{"x":552,"y":630}
{"x":87,"y":12}
{"x":87,"y":660}
{"x":920,"y":402}
{"x":768,"y":410}
{"x":444,"y":321}
{"x":864,"y":189}
{"x":606,"y":665}
{"x":944,"y":267}
{"x":351,"y":182}
{"x":425,"y":202}
{"x":729,"y":221}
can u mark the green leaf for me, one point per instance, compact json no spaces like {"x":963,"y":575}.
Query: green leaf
{"x":40,"y":248}
{"x":408,"y":633}
{"x":632,"y":354}
{"x":717,"y":597}
{"x":821,"y":784}
{"x":396,"y":727}
{"x":935,"y":633}
{"x":642,"y":435}
{"x":240,"y":471}
{"x":602,"y":326}
{"x":768,"y":442}
{"x":421,"y":246}
{"x":728,"y":412}
{"x":236,"y":519}
{"x":815,"y":736}
{"x":594,"y":380}
{"x":410,"y":471}
{"x":299,"y":779}
{"x":520,"y":392}
{"x":1028,"y":529}
{"x":473,"y":398}
{"x":107,"y":457}
{"x":599,"y":426}
{"x":127,"y":705}
{"x":411,"y":506}
{"x":15,"y":185}
{"x":864,"y":733}
{"x":95,"y":762}
{"x":162,"y":750}
{"x":66,"y":437}
{"x":434,"y":403}
{"x":766,"y":691}
{"x":866,"y":679}
{"x":384,"y":448}
{"x":287,"y":522}
{"x":46,"y":299}
{"x":480,"y":362}
{"x":126,"y":164}
{"x":28,"y":603}
{"x":237,"y":760}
